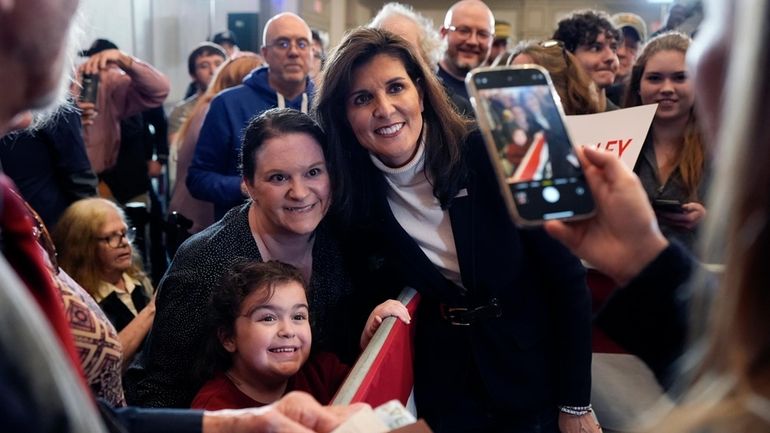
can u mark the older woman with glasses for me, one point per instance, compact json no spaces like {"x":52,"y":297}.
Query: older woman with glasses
{"x":503,"y":328}
{"x":93,"y":241}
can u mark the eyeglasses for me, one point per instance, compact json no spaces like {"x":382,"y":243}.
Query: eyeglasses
{"x":116,"y":240}
{"x":284,"y":44}
{"x":466,"y":32}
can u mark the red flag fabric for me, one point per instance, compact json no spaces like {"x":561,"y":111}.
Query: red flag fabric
{"x":384,"y":371}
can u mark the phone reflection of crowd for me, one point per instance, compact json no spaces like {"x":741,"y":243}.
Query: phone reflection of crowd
{"x":532,"y":140}
{"x":296,"y":210}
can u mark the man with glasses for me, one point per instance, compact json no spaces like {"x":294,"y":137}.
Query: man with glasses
{"x":469,"y":32}
{"x":286,"y":46}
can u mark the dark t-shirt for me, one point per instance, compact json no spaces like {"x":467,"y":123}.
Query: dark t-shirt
{"x":452,"y":83}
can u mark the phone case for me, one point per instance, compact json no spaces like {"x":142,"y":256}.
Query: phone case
{"x":510,"y":177}
{"x":90,"y":88}
{"x":674,"y":206}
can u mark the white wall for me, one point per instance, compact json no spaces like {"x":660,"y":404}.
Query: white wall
{"x":110,"y":20}
{"x":162,"y":32}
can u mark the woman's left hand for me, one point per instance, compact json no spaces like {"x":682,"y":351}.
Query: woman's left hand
{"x":693,"y":213}
{"x":578,"y":424}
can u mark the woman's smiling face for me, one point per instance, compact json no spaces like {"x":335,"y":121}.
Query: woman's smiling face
{"x":665,"y":82}
{"x":384,"y":109}
{"x":291,"y":185}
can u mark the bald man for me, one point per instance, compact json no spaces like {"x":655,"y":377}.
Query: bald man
{"x":286,"y":46}
{"x":469,"y":30}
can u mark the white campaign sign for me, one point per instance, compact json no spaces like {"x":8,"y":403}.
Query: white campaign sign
{"x":621,"y":132}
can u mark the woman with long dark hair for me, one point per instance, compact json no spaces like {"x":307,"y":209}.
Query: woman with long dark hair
{"x":503,"y":327}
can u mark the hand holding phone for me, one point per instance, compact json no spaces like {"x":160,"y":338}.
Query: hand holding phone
{"x":521,"y":119}
{"x":623,"y":237}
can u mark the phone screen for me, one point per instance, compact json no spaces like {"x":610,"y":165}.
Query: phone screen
{"x":518,"y":112}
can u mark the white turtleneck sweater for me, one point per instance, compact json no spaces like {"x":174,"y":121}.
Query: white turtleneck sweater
{"x":418,"y":211}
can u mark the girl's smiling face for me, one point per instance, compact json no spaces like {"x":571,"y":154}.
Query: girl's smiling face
{"x":272,"y":338}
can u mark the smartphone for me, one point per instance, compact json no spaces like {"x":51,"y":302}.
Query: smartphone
{"x":90,"y":88}
{"x":664,"y":205}
{"x":521,"y":119}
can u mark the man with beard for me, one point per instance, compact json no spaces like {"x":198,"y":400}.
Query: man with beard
{"x":469,"y":31}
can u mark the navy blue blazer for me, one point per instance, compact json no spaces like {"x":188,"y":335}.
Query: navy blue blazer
{"x":538,"y":353}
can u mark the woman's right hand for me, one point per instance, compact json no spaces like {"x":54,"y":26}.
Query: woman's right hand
{"x":623,"y":237}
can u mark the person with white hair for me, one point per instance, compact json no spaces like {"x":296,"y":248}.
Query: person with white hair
{"x":418,"y":30}
{"x":413,"y":26}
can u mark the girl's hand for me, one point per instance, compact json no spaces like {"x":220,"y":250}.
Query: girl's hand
{"x":391,"y":307}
